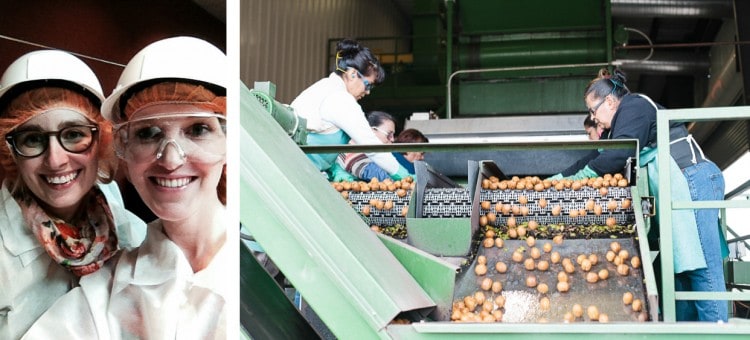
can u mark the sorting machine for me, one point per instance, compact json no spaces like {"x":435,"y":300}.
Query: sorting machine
{"x":363,"y":284}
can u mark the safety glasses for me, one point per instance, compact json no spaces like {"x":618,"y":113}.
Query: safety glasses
{"x":388,"y":134}
{"x":368,"y":85}
{"x":592,"y":110}
{"x":200,"y":137}
{"x":32,"y":143}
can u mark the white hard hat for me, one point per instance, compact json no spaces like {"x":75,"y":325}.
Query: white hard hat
{"x":51,"y":66}
{"x":178,"y":58}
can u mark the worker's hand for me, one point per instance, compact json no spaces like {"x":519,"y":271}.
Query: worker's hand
{"x":338,"y":174}
{"x":558,"y":176}
{"x":586,"y":172}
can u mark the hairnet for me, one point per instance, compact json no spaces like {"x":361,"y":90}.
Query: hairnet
{"x":181,"y":93}
{"x":42,"y":99}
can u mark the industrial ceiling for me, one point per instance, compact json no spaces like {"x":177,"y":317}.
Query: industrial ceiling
{"x":681,"y":53}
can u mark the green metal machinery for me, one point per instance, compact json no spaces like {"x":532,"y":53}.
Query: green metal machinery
{"x":363,"y":285}
{"x":461,"y":54}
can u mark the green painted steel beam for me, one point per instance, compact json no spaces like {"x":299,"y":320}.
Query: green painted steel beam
{"x":494,"y":146}
{"x":572,"y":331}
{"x":710,"y":204}
{"x":649,"y":277}
{"x":740,"y":296}
{"x":351,"y":280}
{"x":706,"y":114}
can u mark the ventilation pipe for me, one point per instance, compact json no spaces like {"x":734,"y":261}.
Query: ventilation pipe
{"x":672,"y":8}
{"x":665,"y":62}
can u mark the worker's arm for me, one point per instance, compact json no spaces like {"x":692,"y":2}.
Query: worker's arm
{"x":344,"y":112}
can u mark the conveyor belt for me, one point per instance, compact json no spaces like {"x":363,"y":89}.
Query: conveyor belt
{"x":523,"y":303}
{"x":446,"y":202}
{"x":567,"y":200}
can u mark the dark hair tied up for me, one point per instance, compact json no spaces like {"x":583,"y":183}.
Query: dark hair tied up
{"x":606,"y":84}
{"x":349,"y":53}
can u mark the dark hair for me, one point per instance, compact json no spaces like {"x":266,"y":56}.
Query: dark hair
{"x":376,"y":118}
{"x":411,"y":136}
{"x":606,"y":83}
{"x":588,"y":122}
{"x":350,"y":54}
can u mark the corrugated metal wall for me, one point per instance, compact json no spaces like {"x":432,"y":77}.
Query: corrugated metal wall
{"x":285,"y":41}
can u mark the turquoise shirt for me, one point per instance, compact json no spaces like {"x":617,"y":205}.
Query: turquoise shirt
{"x":324,"y":161}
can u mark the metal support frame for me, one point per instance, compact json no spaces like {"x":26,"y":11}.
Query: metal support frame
{"x":666,"y":204}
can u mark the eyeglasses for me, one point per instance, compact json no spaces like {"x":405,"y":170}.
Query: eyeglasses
{"x":388,"y":134}
{"x":201,"y":136}
{"x":368,"y":85}
{"x":592,"y":110}
{"x":32,"y":143}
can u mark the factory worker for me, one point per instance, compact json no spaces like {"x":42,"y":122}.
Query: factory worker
{"x":694,"y":177}
{"x":406,"y":159}
{"x":358,"y":164}
{"x":333,"y":114}
{"x":593,"y":130}
{"x":169,"y":114}
{"x":58,"y":220}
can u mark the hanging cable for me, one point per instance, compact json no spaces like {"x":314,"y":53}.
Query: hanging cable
{"x":52,"y":48}
{"x":647,"y":39}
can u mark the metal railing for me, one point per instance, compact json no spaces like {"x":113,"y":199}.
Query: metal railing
{"x":666,"y":204}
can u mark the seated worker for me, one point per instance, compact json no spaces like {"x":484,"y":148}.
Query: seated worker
{"x":593,"y":130}
{"x":384,"y":127}
{"x":406,"y":159}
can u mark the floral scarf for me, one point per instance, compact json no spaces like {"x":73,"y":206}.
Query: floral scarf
{"x":81,"y":245}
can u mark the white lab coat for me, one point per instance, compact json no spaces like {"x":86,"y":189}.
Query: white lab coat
{"x":329,"y":108}
{"x":151,"y":293}
{"x":30,"y":282}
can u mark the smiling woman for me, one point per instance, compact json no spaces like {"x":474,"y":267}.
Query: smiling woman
{"x":58,"y":147}
{"x":170,"y":130}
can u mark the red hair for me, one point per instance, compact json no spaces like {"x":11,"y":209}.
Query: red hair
{"x":39,"y":100}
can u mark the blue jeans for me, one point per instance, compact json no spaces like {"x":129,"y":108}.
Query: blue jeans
{"x":706,"y":184}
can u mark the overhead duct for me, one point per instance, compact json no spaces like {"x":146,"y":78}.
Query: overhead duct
{"x":672,"y":8}
{"x":666,"y":62}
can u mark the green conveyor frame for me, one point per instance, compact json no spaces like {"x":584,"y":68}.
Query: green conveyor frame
{"x":358,"y":282}
{"x":341,"y":268}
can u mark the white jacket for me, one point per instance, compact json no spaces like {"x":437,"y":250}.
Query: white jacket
{"x":152,"y":293}
{"x":329,"y":108}
{"x":30,"y":282}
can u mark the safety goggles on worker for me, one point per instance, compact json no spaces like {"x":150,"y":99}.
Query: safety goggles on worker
{"x":368,"y":84}
{"x":32,"y":143}
{"x":200,"y":137}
